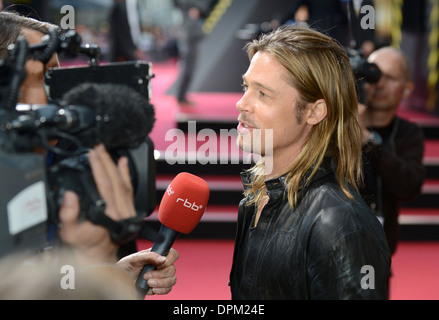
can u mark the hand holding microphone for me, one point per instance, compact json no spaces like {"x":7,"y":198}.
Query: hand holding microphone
{"x":182,"y":206}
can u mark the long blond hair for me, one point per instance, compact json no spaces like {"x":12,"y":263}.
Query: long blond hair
{"x":319,"y":68}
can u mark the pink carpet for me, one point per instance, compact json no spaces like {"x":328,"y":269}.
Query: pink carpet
{"x":204,"y":265}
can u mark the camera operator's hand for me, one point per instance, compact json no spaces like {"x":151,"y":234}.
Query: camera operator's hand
{"x":160,"y":280}
{"x":91,"y":242}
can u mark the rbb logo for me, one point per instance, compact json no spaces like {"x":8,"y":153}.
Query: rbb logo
{"x":189,"y":205}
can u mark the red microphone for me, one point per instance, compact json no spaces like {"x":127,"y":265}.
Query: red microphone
{"x":182,"y":206}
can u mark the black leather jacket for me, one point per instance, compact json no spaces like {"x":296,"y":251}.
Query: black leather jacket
{"x":329,"y":247}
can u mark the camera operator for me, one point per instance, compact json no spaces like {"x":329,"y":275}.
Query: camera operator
{"x":393,"y":146}
{"x":91,"y":243}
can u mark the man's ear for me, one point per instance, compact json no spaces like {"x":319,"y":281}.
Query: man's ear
{"x":317,"y":112}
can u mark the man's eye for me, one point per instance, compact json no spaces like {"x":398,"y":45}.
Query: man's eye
{"x":244,"y":87}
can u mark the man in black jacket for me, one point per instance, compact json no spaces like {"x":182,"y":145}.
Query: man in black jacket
{"x":393,"y":146}
{"x":189,"y":41}
{"x":304,"y":232}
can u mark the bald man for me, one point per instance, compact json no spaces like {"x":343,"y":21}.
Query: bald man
{"x":393,"y":147}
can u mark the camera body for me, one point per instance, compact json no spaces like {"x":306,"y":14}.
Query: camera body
{"x":23,"y":205}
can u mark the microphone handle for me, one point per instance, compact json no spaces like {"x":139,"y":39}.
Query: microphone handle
{"x":162,"y":246}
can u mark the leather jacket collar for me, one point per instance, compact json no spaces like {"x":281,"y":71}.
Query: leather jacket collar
{"x":276,"y":186}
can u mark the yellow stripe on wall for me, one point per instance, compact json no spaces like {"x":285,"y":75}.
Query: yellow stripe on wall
{"x":216,"y":15}
{"x":395,"y":27}
{"x":433,"y":57}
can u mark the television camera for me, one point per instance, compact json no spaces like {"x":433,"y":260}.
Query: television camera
{"x":32,"y":182}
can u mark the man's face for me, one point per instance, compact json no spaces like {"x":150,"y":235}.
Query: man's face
{"x":32,"y":88}
{"x":267,"y":107}
{"x":387,"y":93}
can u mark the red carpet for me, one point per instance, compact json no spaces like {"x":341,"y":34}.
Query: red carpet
{"x":202,"y":270}
{"x":204,"y":265}
{"x":415,"y":269}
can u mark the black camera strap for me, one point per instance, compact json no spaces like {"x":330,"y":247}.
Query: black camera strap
{"x":122,"y":231}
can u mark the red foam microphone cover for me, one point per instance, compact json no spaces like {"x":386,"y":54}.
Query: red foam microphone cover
{"x":184,"y":202}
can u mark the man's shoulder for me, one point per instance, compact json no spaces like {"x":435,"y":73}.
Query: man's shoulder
{"x":329,"y":205}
